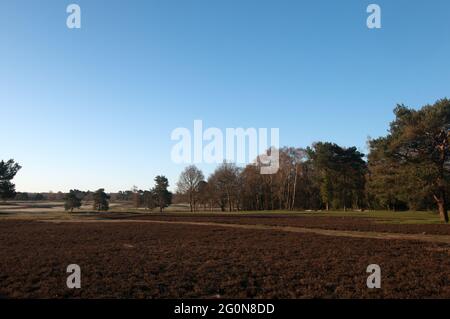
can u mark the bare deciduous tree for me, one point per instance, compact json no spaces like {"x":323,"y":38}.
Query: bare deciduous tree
{"x":226,"y":186}
{"x":189,"y":183}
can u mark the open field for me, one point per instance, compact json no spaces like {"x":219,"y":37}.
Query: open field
{"x":51,"y":209}
{"x":330,"y":222}
{"x":209,"y":255}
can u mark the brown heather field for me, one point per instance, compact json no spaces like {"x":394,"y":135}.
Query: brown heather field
{"x":179,"y":255}
{"x":343,"y":223}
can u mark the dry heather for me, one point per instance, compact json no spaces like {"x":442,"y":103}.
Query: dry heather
{"x":145,"y":260}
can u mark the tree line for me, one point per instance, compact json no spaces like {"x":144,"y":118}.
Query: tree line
{"x":406,"y":169}
{"x":158,"y":196}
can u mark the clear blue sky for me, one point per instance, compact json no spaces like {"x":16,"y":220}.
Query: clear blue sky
{"x":95,"y":107}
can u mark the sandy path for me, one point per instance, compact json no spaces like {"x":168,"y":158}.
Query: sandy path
{"x":325,"y":232}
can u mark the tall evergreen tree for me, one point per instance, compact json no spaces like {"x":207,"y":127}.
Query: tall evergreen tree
{"x":72,"y":200}
{"x":418,"y":142}
{"x":162,"y":194}
{"x":8,"y":170}
{"x":341,"y":174}
{"x":101,"y":200}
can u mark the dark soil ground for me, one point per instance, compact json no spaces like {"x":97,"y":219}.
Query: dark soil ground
{"x":133,"y":260}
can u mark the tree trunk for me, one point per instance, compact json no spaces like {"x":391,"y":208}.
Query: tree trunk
{"x":191,"y":201}
{"x":441,"y":199}
{"x":443,"y":212}
{"x":229,"y":201}
{"x":442,"y":206}
{"x":295,"y":186}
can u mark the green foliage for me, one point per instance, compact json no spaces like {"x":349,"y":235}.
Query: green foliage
{"x":341,"y":174}
{"x":411,"y":164}
{"x":39,"y":196}
{"x":72,"y":200}
{"x":101,"y":200}
{"x":162,"y":195}
{"x":22,"y":196}
{"x":8,"y":170}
